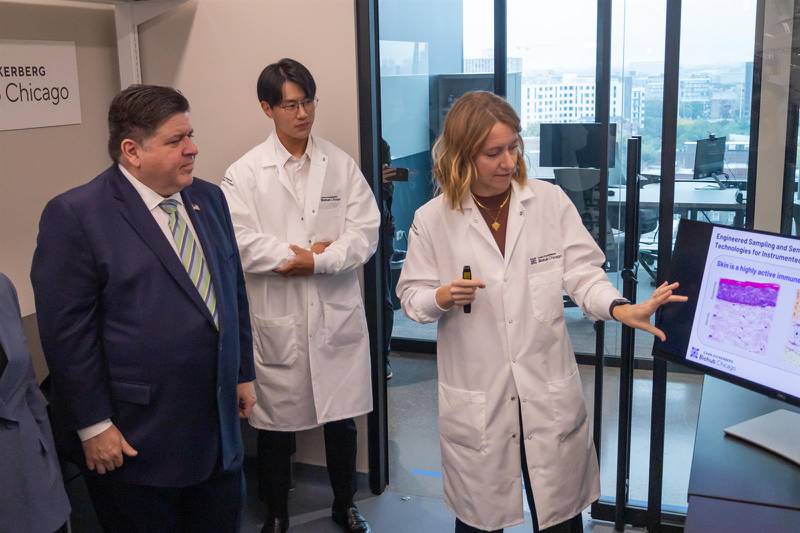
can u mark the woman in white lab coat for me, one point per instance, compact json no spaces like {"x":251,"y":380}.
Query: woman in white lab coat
{"x":510,"y":398}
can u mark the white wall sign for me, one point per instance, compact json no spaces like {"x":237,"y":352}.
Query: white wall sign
{"x":38,"y":84}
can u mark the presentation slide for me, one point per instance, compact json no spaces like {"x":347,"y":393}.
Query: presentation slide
{"x":747,"y":319}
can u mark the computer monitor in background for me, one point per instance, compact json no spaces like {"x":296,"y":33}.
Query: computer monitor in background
{"x":709,"y":157}
{"x":575,"y":145}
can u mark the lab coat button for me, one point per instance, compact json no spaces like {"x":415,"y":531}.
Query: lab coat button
{"x":513,"y":435}
{"x":513,"y":398}
{"x":530,"y":437}
{"x":510,"y":322}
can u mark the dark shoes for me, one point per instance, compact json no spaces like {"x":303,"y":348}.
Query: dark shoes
{"x":274,"y":524}
{"x":351,"y":520}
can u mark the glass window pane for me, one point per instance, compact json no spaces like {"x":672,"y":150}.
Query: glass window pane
{"x":430,"y":54}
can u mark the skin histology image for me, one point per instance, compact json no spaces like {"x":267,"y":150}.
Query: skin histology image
{"x":742,"y":314}
{"x":792,"y":353}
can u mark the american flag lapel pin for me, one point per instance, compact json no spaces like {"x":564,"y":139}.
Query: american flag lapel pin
{"x":196,"y":207}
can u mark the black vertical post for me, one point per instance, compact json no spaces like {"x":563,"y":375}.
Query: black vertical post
{"x":790,"y":155}
{"x":672,"y":48}
{"x":369,"y":138}
{"x":627,"y":348}
{"x":755,"y":115}
{"x":500,"y":48}
{"x":602,"y":106}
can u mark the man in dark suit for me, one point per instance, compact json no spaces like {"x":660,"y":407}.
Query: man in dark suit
{"x":32,"y":497}
{"x":144,"y":321}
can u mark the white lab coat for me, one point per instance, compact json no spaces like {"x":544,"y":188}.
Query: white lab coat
{"x":310,"y":341}
{"x":511,"y":351}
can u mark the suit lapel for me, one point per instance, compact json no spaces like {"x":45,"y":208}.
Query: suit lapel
{"x":141,"y":220}
{"x":195,"y":211}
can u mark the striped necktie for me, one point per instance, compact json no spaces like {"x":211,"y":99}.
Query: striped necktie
{"x":191,"y":256}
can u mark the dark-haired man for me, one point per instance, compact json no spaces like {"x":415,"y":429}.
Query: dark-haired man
{"x":143,"y":317}
{"x":305,"y":221}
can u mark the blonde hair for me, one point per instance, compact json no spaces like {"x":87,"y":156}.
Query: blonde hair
{"x":466,"y":128}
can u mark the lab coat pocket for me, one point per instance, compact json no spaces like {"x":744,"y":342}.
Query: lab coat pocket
{"x":344,"y":323}
{"x":546,"y":294}
{"x":569,"y":408}
{"x":275,"y":340}
{"x":462,"y":417}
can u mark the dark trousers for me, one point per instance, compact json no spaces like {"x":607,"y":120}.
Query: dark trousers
{"x":213,"y":506}
{"x":573,"y":525}
{"x":275,"y":449}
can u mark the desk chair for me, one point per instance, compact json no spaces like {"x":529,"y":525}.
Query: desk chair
{"x":582,"y":186}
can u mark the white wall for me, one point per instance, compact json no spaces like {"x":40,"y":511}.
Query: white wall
{"x":214,"y":50}
{"x":36,"y":164}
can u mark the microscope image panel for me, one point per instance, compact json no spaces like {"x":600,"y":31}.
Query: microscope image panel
{"x":742,"y":315}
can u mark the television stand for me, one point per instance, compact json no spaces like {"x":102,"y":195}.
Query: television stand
{"x":777,"y":432}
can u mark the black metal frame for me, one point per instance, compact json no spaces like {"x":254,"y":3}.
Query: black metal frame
{"x":755,"y":115}
{"x":500,"y":47}
{"x":792,"y":119}
{"x":672,"y":48}
{"x":369,"y":138}
{"x":634,"y":168}
{"x":602,"y":112}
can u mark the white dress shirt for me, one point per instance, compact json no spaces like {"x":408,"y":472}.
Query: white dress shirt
{"x":151,"y":199}
{"x":296,"y":168}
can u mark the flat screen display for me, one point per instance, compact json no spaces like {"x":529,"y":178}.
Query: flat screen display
{"x":575,"y":145}
{"x":742,"y":320}
{"x":709,"y":157}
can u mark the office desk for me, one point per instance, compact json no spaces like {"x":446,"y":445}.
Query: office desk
{"x":690,"y":199}
{"x":735,"y":486}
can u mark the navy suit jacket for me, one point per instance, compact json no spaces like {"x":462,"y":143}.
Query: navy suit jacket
{"x":127,"y":337}
{"x":32,"y":497}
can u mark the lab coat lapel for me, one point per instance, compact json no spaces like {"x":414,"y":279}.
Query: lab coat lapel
{"x":316,"y":178}
{"x":486,"y":261}
{"x":271,"y":158}
{"x":517,"y":214}
{"x":478,"y":226}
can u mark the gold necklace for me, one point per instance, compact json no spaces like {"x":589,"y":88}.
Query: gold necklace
{"x":495,"y":224}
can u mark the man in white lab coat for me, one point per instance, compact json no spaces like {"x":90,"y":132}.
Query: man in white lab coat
{"x":305,"y":221}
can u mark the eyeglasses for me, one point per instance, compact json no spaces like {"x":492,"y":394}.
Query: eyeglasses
{"x":309,"y":104}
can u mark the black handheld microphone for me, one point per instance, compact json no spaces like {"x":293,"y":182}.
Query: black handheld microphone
{"x":467,"y":274}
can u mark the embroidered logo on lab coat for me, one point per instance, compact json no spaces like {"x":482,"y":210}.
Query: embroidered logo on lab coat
{"x":329,"y":201}
{"x":545,"y":258}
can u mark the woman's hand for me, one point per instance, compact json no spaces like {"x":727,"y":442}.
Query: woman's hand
{"x":638,"y":315}
{"x":458,"y":292}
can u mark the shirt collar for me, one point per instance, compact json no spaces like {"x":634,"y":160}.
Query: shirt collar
{"x":284,"y":156}
{"x":150,"y":197}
